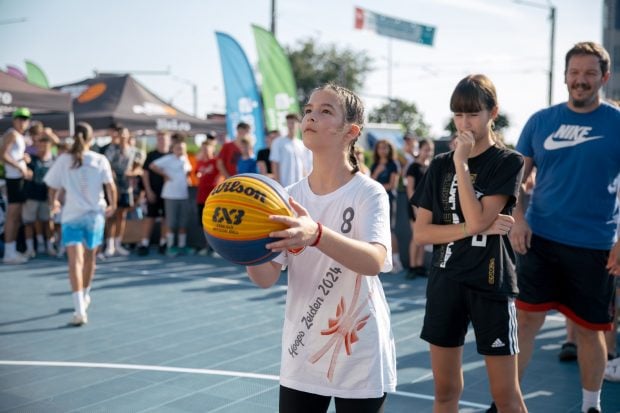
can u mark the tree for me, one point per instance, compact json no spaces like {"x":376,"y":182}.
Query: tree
{"x":314,"y":65}
{"x":403,"y":112}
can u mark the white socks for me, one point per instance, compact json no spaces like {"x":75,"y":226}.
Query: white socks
{"x":590,"y":399}
{"x":78,"y":302}
{"x":10,"y":249}
{"x":170,"y":239}
{"x":182,"y":240}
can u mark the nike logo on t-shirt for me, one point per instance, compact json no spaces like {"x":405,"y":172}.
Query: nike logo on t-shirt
{"x":569,"y":135}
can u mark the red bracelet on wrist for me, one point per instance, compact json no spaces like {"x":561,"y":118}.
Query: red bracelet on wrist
{"x":318,"y":237}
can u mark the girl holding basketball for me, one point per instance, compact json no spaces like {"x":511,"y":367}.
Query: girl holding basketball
{"x":337,"y":339}
{"x":464,"y":204}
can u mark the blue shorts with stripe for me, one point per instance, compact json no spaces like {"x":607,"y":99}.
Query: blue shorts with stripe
{"x":86,"y":230}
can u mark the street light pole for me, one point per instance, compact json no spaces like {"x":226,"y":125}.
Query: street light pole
{"x":273,"y":17}
{"x":552,"y":18}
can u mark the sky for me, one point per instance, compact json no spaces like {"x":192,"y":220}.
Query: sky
{"x":170,"y":46}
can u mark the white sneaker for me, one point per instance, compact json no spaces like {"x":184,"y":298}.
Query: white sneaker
{"x":101,"y":256}
{"x":15,"y":259}
{"x":396,"y":266}
{"x":109,"y":252}
{"x":61,"y":252}
{"x":612,"y":371}
{"x":120,"y":250}
{"x":78,"y":320}
{"x":51,"y":251}
{"x":29,"y":254}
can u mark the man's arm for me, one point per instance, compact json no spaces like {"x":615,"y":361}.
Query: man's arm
{"x":521,"y":235}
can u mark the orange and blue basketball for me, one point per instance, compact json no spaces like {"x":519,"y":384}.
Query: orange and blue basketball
{"x":236,"y":217}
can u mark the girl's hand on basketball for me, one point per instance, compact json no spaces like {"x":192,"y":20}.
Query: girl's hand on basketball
{"x":501,"y":226}
{"x":301,"y":231}
{"x":520,"y":236}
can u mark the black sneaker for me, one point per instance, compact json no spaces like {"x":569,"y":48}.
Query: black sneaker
{"x":420,"y":271}
{"x":411,"y":274}
{"x":593,"y":410}
{"x":492,"y":408}
{"x":568,"y":352}
{"x":143,"y":250}
{"x":162,"y":249}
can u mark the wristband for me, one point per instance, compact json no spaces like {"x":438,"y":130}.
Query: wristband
{"x":318,"y":237}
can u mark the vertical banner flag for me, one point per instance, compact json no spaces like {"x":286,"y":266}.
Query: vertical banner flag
{"x":278,"y":84}
{"x":391,"y":27}
{"x":36,"y":76}
{"x":242,"y":98}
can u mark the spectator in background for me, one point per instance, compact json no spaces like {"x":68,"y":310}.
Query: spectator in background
{"x":56,"y":216}
{"x":230,"y":153}
{"x":414,"y":175}
{"x":36,"y":131}
{"x":81,"y":174}
{"x":175,"y":169}
{"x":16,"y":172}
{"x":247,"y":163}
{"x":361,"y":160}
{"x":122,"y":157}
{"x":114,"y":130}
{"x":153,"y":183}
{"x":290,"y":159}
{"x":208,"y":178}
{"x":262,"y":157}
{"x":411,"y":149}
{"x":36,"y":209}
{"x":385,"y":170}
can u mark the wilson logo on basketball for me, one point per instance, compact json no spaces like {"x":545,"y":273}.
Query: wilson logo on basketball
{"x":238,"y":187}
{"x":230,"y":217}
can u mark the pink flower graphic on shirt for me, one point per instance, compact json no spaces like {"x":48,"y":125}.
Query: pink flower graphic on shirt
{"x":343,"y":328}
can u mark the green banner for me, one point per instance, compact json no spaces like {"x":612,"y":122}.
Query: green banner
{"x":35,"y":75}
{"x":278,"y":86}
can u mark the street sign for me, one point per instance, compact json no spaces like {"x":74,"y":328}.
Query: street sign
{"x":391,"y":27}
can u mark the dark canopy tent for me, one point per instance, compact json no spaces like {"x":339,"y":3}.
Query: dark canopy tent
{"x":16,"y":93}
{"x":103,"y":100}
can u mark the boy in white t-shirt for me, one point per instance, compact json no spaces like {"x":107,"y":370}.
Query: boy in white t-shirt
{"x":175,"y":168}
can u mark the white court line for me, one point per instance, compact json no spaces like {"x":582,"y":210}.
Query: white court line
{"x":192,"y":371}
{"x":140,"y":367}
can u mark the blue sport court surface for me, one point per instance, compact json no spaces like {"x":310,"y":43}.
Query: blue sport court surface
{"x":193,"y":334}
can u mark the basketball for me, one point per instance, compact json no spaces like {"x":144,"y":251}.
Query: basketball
{"x":236,"y":217}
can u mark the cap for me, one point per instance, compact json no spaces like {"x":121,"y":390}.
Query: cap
{"x":22,"y":113}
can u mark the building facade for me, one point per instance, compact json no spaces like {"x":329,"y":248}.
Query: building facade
{"x":611,"y":42}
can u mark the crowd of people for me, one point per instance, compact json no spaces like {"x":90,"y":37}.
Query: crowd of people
{"x":497,"y":245}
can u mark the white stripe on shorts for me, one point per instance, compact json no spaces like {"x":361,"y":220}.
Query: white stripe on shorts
{"x":513,"y":341}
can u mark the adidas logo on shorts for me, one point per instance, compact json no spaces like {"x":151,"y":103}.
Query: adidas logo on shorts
{"x":498,"y":343}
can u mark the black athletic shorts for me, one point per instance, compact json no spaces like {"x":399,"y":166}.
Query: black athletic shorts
{"x":296,"y":401}
{"x":450,"y":306}
{"x":15,"y":190}
{"x":156,"y":209}
{"x":125,"y":200}
{"x":569,"y":279}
